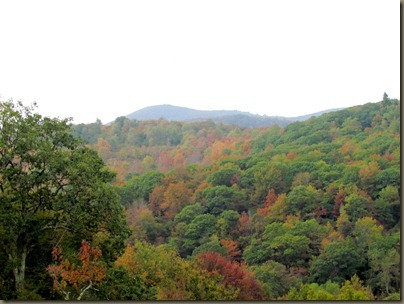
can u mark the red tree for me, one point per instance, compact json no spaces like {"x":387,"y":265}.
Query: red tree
{"x":233,"y":275}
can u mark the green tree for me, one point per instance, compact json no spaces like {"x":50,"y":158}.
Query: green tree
{"x":366,"y":232}
{"x":120,"y":284}
{"x":139,"y":187}
{"x":199,"y":231}
{"x":220,"y":198}
{"x":358,"y":206}
{"x":211,"y":246}
{"x":389,"y":176}
{"x":311,"y":292}
{"x":227,"y":224}
{"x":304,"y":200}
{"x":388,"y":206}
{"x":189,"y":213}
{"x":384,"y":261}
{"x":226,"y":176}
{"x":339,"y":261}
{"x":344,"y":225}
{"x":291,"y":245}
{"x":275,"y":278}
{"x":51,"y":183}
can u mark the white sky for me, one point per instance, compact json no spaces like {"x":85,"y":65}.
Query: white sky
{"x":103,"y":59}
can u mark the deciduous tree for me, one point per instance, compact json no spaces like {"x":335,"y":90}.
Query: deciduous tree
{"x":71,"y":278}
{"x":49,"y":181}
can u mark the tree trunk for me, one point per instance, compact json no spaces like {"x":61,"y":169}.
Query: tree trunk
{"x":19,"y":269}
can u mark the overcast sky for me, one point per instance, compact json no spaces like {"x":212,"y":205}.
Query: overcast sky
{"x":104,"y":59}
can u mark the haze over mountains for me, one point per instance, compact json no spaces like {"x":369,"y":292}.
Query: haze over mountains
{"x":246,"y":119}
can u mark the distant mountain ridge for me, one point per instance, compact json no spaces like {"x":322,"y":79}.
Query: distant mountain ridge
{"x":246,"y":119}
{"x":170,"y":112}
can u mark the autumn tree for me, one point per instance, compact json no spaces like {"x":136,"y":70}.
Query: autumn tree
{"x":172,"y":277}
{"x":51,"y":185}
{"x":176,"y":197}
{"x":354,"y":290}
{"x":76,"y":279}
{"x":233,"y":275}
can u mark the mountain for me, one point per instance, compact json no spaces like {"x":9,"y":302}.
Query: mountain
{"x":176,"y":113}
{"x":245,"y":119}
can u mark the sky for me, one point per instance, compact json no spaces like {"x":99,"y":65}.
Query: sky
{"x":104,"y":59}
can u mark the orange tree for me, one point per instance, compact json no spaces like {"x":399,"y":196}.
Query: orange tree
{"x":70,"y":278}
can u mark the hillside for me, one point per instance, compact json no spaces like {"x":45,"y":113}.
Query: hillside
{"x":293,"y":203}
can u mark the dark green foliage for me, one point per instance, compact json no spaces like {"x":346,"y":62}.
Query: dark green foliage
{"x":212,"y":246}
{"x":388,"y":206}
{"x":304,"y":200}
{"x":274,"y":277}
{"x":89,"y":132}
{"x":189,"y":213}
{"x":52,"y":189}
{"x":199,"y":231}
{"x":220,"y":198}
{"x":227,"y":224}
{"x":139,"y":187}
{"x":227,"y":176}
{"x":122,"y":285}
{"x":385,"y":266}
{"x":390,"y":176}
{"x":267,"y":139}
{"x":339,"y":261}
{"x":358,"y":206}
{"x":291,"y":245}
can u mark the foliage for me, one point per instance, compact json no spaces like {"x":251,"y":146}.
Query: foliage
{"x":52,"y":189}
{"x":220,"y":198}
{"x":313,"y":208}
{"x":352,"y":290}
{"x":173,"y":278}
{"x":275,"y":279}
{"x":120,"y":284}
{"x":69,"y":278}
{"x":339,"y":261}
{"x":233,"y":275}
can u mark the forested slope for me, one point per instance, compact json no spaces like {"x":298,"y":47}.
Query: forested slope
{"x":310,"y":211}
{"x":313,"y":209}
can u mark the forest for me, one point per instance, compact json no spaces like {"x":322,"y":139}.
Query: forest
{"x":166,"y":210}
